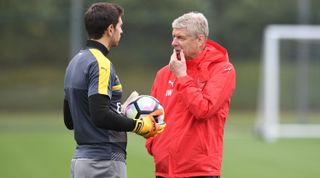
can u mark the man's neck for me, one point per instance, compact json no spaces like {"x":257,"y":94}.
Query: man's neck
{"x":104,"y":42}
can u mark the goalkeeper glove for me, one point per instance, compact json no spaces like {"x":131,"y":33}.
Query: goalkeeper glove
{"x":147,"y":126}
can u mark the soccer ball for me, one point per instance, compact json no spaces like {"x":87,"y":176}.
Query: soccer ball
{"x":142,"y":106}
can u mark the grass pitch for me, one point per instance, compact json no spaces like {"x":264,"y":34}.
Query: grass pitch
{"x":36,"y":145}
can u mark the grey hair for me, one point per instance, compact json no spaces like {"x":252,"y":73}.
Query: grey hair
{"x":195,"y":23}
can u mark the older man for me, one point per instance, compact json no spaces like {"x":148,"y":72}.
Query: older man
{"x":195,"y":90}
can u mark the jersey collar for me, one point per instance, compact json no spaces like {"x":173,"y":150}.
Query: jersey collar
{"x":97,"y":45}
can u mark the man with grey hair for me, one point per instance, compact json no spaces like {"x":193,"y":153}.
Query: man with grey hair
{"x":195,"y":89}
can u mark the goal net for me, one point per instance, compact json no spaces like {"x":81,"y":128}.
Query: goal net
{"x":289,"y":98}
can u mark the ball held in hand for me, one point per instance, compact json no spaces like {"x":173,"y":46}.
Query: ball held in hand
{"x":142,"y":106}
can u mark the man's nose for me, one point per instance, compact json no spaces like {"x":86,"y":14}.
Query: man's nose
{"x":174,"y":42}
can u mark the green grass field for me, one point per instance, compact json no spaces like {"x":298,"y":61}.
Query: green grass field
{"x":36,"y":145}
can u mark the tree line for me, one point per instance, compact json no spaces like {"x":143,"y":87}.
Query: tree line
{"x":37,"y":32}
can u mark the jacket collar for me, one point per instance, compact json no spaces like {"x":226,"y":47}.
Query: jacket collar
{"x":97,"y":45}
{"x":213,"y":52}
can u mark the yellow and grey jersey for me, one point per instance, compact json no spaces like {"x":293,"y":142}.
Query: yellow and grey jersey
{"x":90,"y":72}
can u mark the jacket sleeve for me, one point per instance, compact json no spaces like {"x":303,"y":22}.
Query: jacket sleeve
{"x":205,"y":102}
{"x":148,"y":145}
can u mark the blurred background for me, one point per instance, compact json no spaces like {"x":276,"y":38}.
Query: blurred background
{"x":38,"y":38}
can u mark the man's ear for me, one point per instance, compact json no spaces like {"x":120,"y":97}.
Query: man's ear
{"x":109,"y":31}
{"x":202,"y":40}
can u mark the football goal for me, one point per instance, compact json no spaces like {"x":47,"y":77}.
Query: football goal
{"x":289,"y":98}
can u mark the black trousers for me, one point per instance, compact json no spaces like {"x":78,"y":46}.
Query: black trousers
{"x":197,"y":177}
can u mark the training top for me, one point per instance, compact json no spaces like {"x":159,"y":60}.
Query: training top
{"x":196,"y":107}
{"x":90,"y":73}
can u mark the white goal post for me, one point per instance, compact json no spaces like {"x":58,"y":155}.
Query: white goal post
{"x":268,"y":122}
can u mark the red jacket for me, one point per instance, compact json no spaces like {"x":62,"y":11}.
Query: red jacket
{"x":196,"y":107}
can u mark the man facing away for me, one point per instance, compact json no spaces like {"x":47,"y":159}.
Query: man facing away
{"x":195,"y":90}
{"x":92,"y":101}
